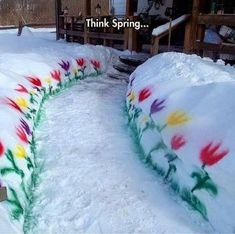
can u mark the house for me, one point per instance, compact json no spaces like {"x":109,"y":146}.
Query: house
{"x":188,"y":33}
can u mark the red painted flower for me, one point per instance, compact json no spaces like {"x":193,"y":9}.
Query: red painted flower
{"x":21,"y":134}
{"x":211,"y":154}
{"x":96,"y":64}
{"x":56,"y":75}
{"x":144,"y":94}
{"x":34,"y":80}
{"x":1,"y":149}
{"x":21,"y":89}
{"x":177,"y":142}
{"x":81,"y":62}
{"x":13,"y":104}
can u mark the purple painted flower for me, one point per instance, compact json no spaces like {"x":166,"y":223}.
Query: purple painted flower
{"x":26,"y":127}
{"x":132,"y":80}
{"x":65,"y":65}
{"x":157,"y":106}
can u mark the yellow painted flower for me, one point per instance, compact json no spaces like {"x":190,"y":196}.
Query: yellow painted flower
{"x":20,"y":151}
{"x":132,"y":96}
{"x":145,"y":119}
{"x":22,"y":102}
{"x":32,"y":92}
{"x":177,"y":118}
{"x":48,"y":80}
{"x":75,"y":70}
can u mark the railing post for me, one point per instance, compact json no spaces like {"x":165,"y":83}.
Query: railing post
{"x":57,"y":17}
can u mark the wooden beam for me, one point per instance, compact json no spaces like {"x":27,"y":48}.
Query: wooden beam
{"x":87,"y":7}
{"x":223,"y":48}
{"x":228,"y":20}
{"x":58,"y":10}
{"x":129,"y":7}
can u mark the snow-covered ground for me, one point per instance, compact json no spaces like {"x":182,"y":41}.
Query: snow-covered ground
{"x":93,"y":181}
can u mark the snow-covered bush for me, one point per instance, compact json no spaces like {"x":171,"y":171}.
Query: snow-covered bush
{"x":181,"y":108}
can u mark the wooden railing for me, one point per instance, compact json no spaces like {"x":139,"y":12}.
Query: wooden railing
{"x":74,"y":29}
{"x":218,"y":20}
{"x":168,"y":29}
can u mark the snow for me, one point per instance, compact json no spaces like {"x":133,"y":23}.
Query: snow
{"x":161,"y":29}
{"x":92,"y":178}
{"x":177,"y":96}
{"x":32,"y":56}
{"x":105,"y":187}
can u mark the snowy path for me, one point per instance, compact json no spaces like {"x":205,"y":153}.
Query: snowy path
{"x":94,"y":182}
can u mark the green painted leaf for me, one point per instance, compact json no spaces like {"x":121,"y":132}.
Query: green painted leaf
{"x":6,"y":171}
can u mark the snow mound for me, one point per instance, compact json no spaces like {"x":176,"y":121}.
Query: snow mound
{"x":29,"y":75}
{"x":26,"y":31}
{"x":181,"y":107}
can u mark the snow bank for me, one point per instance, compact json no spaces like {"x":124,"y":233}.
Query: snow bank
{"x":31,"y":71}
{"x":182,"y":110}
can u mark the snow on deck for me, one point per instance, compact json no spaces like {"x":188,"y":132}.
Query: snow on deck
{"x":93,"y":181}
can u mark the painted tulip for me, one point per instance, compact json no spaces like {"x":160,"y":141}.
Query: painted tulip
{"x":25,"y":126}
{"x":48,"y":80}
{"x":132,"y":96}
{"x":22,"y":135}
{"x":177,"y":118}
{"x":20,"y":151}
{"x":21,"y":89}
{"x":144,"y":94}
{"x":65,"y":65}
{"x":81,"y":62}
{"x":56,"y":75}
{"x":157,"y":106}
{"x":212,"y":153}
{"x":96,"y":64}
{"x":13,"y":104}
{"x":34,"y":81}
{"x":177,"y":142}
{"x":1,"y":149}
{"x":22,"y":102}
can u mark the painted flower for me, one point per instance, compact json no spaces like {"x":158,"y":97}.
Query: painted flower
{"x":177,"y":118}
{"x":34,"y":80}
{"x":144,"y":94}
{"x":132,"y":80}
{"x":212,"y":153}
{"x":81,"y":62}
{"x":145,"y":119}
{"x":65,"y":65}
{"x":131,"y":96}
{"x":22,"y":102}
{"x":1,"y":149}
{"x":22,"y":135}
{"x":13,"y":104}
{"x":177,"y":142}
{"x":21,"y":89}
{"x":20,"y":151}
{"x":25,"y":126}
{"x":96,"y":64}
{"x":56,"y":75}
{"x":157,"y":106}
{"x":48,"y":80}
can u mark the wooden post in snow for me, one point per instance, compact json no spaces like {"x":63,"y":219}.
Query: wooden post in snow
{"x":3,"y":194}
